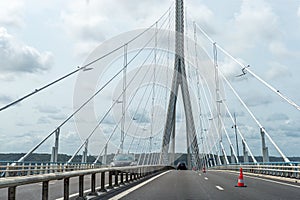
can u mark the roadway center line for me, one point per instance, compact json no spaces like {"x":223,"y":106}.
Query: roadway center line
{"x":219,"y":188}
{"x":119,"y":196}
{"x":205,"y":178}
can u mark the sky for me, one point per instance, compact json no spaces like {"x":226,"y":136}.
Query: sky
{"x":42,"y":40}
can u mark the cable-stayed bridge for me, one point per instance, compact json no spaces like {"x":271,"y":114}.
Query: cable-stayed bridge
{"x":168,"y":89}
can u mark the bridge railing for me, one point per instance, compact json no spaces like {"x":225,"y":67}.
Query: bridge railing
{"x":121,"y":175}
{"x":283,"y":169}
{"x":8,"y":169}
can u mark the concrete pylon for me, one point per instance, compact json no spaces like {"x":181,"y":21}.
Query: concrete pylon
{"x":54,"y":154}
{"x":179,"y":79}
{"x":265,"y":151}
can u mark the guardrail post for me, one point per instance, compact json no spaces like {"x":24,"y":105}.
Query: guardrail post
{"x":29,"y":169}
{"x":12,"y":193}
{"x":135,"y":176}
{"x":116,"y":178}
{"x":7,"y":170}
{"x":36,"y":169}
{"x":23,"y":169}
{"x":66,"y":188}
{"x":126,"y":177}
{"x":45,"y":190}
{"x":81,"y":180}
{"x":110,"y":180}
{"x":142,"y":172}
{"x":93,"y":184}
{"x":131,"y":176}
{"x":102,"y":189}
{"x":122,"y":178}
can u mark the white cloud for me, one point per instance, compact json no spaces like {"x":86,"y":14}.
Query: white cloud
{"x":20,"y":58}
{"x":256,"y":98}
{"x":93,"y":22}
{"x":11,"y":13}
{"x":277,"y":117}
{"x":255,"y":22}
{"x":279,"y":49}
{"x":5,"y":99}
{"x":48,"y":109}
{"x":201,"y":14}
{"x":277,"y":71}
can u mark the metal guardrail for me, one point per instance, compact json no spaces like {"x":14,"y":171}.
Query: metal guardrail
{"x":119,"y":173}
{"x":290,"y":170}
{"x":8,"y":169}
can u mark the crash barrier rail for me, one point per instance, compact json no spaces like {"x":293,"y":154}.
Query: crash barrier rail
{"x":10,"y":168}
{"x":121,"y":175}
{"x":283,"y":169}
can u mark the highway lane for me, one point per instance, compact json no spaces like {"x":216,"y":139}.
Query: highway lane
{"x":212,"y":185}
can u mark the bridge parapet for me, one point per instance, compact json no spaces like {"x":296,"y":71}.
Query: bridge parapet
{"x":128,"y":173}
{"x":8,"y":169}
{"x":283,"y":169}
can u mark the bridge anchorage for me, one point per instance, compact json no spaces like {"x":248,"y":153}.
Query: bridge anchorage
{"x":148,"y":75}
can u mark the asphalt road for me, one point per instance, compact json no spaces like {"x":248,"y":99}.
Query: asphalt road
{"x":212,"y":185}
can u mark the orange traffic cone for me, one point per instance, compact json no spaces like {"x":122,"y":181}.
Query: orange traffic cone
{"x":241,"y":179}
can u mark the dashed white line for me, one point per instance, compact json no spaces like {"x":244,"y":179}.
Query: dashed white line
{"x":205,"y":178}
{"x":219,"y":188}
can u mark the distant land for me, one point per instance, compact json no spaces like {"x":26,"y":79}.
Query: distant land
{"x":43,"y":157}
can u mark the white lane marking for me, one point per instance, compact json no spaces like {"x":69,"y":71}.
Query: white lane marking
{"x":199,"y":174}
{"x":119,"y":196}
{"x":281,"y":183}
{"x":219,"y":188}
{"x":205,"y":178}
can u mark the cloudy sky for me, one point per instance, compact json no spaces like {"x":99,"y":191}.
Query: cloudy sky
{"x":43,"y":40}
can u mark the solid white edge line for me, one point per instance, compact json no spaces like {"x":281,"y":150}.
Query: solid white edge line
{"x":281,"y":183}
{"x":119,"y":196}
{"x":219,"y":188}
{"x":268,"y":180}
{"x":76,"y":194}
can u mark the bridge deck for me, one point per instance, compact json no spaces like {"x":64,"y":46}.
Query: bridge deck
{"x":212,"y":185}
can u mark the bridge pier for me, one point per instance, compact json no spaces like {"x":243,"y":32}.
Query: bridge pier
{"x":232,"y":158}
{"x":265,"y":151}
{"x":245,"y":152}
{"x":54,"y":154}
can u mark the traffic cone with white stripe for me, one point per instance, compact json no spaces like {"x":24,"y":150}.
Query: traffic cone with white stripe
{"x":241,"y":180}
